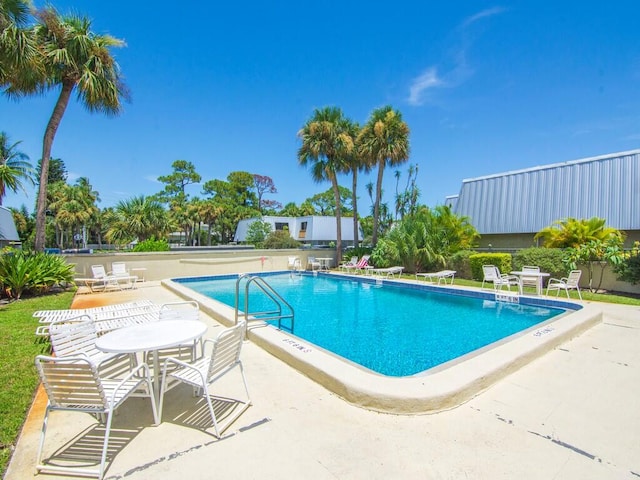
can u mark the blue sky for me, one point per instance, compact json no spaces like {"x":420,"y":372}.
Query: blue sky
{"x":484,"y":87}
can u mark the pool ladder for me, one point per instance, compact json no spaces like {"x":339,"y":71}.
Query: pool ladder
{"x":267,"y":315}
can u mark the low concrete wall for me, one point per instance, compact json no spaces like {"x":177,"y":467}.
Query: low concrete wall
{"x":162,"y":265}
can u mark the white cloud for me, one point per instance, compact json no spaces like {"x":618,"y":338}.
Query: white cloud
{"x":458,"y":70}
{"x":489,"y":12}
{"x":152,"y":178}
{"x":427,"y":80}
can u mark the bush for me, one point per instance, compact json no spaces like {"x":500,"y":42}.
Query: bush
{"x":32,"y":272}
{"x":280,"y":239}
{"x":500,"y":260}
{"x":459,"y":262}
{"x":385,"y":254}
{"x":629,"y":269}
{"x":152,"y":245}
{"x":550,"y":260}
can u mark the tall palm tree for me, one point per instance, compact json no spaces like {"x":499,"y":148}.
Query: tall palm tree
{"x":383,"y":141}
{"x":354,"y":164}
{"x":14,"y":167}
{"x":327,"y":141}
{"x":74,"y":58}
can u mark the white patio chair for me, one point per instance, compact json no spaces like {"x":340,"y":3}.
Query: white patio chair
{"x":566,"y":283}
{"x":102,"y":280}
{"x":313,"y":264}
{"x":224,"y":357}
{"x":530,"y":281}
{"x":493,"y":275}
{"x":121,"y":273}
{"x":77,"y":336}
{"x":349,"y":264}
{"x":73,"y":384}
{"x":294,"y":264}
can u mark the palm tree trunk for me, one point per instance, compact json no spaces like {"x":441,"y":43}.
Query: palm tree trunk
{"x":376,"y":205}
{"x":354,"y":201}
{"x":49,"y":135}
{"x":336,"y":194}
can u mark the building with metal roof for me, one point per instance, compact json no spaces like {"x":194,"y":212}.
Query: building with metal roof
{"x":8,"y":232}
{"x":508,"y":209}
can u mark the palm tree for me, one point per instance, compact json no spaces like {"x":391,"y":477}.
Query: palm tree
{"x":327,"y":141}
{"x":14,"y":167}
{"x":18,"y":53}
{"x":140,"y":217}
{"x":572,"y":232}
{"x":74,"y":58}
{"x":383,"y":141}
{"x":354,"y":164}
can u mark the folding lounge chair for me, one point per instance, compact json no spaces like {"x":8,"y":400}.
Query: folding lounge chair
{"x":389,"y":272}
{"x":362,"y":265}
{"x":350,"y":264}
{"x":440,"y":276}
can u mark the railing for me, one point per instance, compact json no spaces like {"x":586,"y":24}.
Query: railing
{"x":275,"y":297}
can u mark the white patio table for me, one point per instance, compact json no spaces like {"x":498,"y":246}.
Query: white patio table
{"x":325,"y":263}
{"x":539,"y":276}
{"x":151,"y":336}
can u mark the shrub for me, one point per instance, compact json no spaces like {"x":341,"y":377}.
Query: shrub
{"x":459,"y":262}
{"x":500,"y":260}
{"x":32,"y":272}
{"x":385,"y":254}
{"x":152,"y":245}
{"x":629,"y":269}
{"x":550,"y":260}
{"x":280,"y":239}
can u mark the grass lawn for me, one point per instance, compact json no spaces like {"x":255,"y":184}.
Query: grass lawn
{"x":18,"y":377}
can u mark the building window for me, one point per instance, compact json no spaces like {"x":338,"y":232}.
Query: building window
{"x":282,"y":226}
{"x":303,"y":230}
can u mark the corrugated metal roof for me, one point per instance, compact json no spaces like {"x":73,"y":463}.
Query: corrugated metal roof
{"x":8,"y":232}
{"x":526,"y":201}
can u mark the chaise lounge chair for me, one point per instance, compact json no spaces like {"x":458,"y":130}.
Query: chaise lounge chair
{"x":440,"y":276}
{"x":389,"y":272}
{"x":361,"y":266}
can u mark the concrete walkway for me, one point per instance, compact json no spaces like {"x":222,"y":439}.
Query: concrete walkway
{"x":572,"y":414}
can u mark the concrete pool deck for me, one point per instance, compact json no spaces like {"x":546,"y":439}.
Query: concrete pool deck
{"x":572,"y":413}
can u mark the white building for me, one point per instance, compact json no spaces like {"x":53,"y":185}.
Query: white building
{"x":311,"y":229}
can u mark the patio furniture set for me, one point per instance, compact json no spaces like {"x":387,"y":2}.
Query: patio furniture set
{"x":95,"y":369}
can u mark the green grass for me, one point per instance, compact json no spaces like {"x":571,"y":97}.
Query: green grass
{"x":18,"y":349}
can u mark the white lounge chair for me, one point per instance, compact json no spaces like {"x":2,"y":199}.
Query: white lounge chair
{"x":223,"y":358}
{"x":492,"y":274}
{"x":389,"y":272}
{"x":566,"y":283}
{"x":349,"y":264}
{"x":440,"y":276}
{"x":121,"y":273}
{"x":73,"y":384}
{"x":361,"y":266}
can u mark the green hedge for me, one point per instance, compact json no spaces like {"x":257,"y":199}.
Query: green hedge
{"x":501,"y":260}
{"x":550,"y":260}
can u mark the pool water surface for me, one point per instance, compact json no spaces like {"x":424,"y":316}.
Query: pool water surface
{"x":394,"y":330}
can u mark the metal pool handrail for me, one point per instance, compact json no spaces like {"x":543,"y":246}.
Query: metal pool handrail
{"x":268,"y":290}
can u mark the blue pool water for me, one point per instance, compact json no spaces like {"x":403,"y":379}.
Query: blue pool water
{"x":390,"y":329}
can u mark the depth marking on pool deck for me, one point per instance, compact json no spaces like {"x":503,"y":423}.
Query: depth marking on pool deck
{"x":297,"y":345}
{"x":543,"y":331}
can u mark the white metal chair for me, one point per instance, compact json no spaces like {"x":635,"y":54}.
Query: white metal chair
{"x":531,"y":281}
{"x":73,"y":384}
{"x":313,"y":264}
{"x":200,"y":374}
{"x":101,"y":280}
{"x":294,"y":264}
{"x":350,"y":264}
{"x":493,"y":275}
{"x":121,"y":273}
{"x":566,"y":283}
{"x":77,"y":336}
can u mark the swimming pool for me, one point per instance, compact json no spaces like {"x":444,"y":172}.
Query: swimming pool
{"x":391,"y":329}
{"x":437,"y":388}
